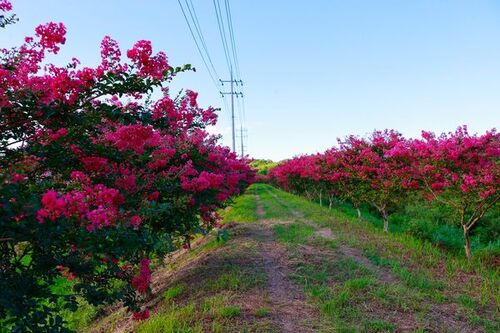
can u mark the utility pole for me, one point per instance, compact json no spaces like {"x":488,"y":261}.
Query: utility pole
{"x":243,"y":135}
{"x":232,"y":93}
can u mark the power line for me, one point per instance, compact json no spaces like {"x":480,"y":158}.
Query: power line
{"x":226,"y":32}
{"x":231,"y":36}
{"x":222,"y":32}
{"x":241,"y":102}
{"x":194,"y":18}
{"x":232,"y":61}
{"x":214,"y":81}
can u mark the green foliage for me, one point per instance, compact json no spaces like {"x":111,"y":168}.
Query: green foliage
{"x":222,"y":236}
{"x":263,"y":166}
{"x":435,"y":223}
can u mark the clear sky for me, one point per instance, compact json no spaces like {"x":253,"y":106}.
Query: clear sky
{"x":313,"y":70}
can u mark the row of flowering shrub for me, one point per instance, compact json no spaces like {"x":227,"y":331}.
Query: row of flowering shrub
{"x":97,"y":177}
{"x":459,"y":170}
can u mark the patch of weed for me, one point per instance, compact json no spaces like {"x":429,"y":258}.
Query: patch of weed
{"x":230,"y":311}
{"x":173,"y":292}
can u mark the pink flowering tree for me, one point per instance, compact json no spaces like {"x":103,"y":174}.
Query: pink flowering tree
{"x":380,"y":169}
{"x":300,"y":175}
{"x":462,"y":172}
{"x":97,"y":178}
{"x":339,"y":178}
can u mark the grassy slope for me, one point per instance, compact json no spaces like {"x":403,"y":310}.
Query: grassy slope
{"x":215,"y":287}
{"x":86,"y":314}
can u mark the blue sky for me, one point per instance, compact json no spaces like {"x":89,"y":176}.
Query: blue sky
{"x":313,"y":70}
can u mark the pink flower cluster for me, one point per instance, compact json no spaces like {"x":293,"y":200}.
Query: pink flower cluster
{"x":51,"y":35}
{"x":148,"y":65}
{"x":110,"y":55}
{"x":49,"y":136}
{"x":142,"y":280}
{"x":142,"y":315}
{"x":205,"y":180}
{"x":134,"y":137}
{"x":5,"y":5}
{"x":94,"y":206}
{"x":65,"y":272}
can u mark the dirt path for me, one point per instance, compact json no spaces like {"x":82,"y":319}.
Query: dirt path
{"x":288,"y":302}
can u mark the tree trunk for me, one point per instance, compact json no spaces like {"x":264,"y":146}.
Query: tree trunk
{"x":320,"y":199}
{"x":386,"y":220}
{"x":359,"y":213}
{"x":467,"y":243}
{"x":308,"y":196}
{"x":330,"y":202}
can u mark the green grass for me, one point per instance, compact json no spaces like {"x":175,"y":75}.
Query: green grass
{"x":207,"y":246}
{"x":339,"y":289}
{"x":242,"y":210}
{"x":172,"y":319}
{"x":173,"y":292}
{"x":293,"y":233}
{"x":403,"y":248}
{"x":236,"y":278}
{"x":373,"y":326}
{"x":273,"y":209}
{"x":230,"y":311}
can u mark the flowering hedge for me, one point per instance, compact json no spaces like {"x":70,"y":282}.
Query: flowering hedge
{"x":97,"y":178}
{"x":457,"y":169}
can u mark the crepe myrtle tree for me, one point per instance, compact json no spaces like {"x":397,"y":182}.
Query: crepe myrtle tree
{"x":380,"y":168}
{"x":97,"y":177}
{"x":461,"y":171}
{"x":340,"y":180}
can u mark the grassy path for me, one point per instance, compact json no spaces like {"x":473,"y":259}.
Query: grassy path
{"x":292,"y":266}
{"x":394,"y":283}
